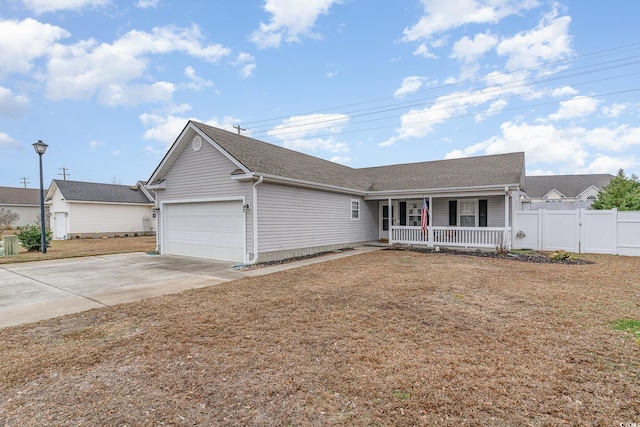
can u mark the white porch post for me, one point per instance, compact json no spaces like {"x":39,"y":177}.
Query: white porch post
{"x":507,"y":210}
{"x":390,"y":219}
{"x":430,"y":229}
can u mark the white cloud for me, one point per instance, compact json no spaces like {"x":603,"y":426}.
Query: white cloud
{"x":7,"y":142}
{"x":290,"y":20}
{"x":147,"y":4}
{"x":165,"y":128}
{"x":608,"y":164}
{"x":247,"y":64}
{"x":312,"y":133}
{"x":12,"y":105}
{"x":409,"y":85}
{"x":418,"y":123}
{"x":613,"y":111}
{"x":577,"y":107}
{"x":197,"y":83}
{"x":136,"y":94}
{"x":94,"y":144}
{"x":470,"y":50}
{"x":21,"y":42}
{"x":563,"y":91}
{"x":571,"y":148}
{"x":441,"y":16}
{"x":81,"y":70}
{"x":42,"y":6}
{"x":494,"y":108}
{"x":549,"y":41}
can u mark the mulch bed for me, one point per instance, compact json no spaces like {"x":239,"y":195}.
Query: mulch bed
{"x":524,"y":256}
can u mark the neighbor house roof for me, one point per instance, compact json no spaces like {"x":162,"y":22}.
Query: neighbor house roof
{"x":79,"y":191}
{"x":19,"y":196}
{"x":262,"y":158}
{"x":568,"y":185}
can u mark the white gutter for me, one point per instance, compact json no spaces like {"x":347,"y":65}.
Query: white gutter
{"x":254,"y":210}
{"x":383,"y":195}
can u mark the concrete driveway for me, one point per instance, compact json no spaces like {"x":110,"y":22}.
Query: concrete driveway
{"x":34,"y":291}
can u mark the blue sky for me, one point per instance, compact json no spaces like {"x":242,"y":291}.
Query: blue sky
{"x":110,"y":84}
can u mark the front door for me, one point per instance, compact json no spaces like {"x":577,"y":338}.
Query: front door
{"x":383,"y":222}
{"x":61,"y":226}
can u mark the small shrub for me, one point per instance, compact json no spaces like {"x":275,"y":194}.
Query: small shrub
{"x":562,"y":256}
{"x":30,"y":236}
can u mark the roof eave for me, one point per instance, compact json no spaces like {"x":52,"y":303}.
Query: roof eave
{"x":276,"y":179}
{"x":493,"y":189}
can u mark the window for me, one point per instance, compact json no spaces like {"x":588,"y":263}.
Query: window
{"x":467,"y":213}
{"x":355,"y":209}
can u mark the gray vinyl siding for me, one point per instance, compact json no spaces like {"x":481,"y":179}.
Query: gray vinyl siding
{"x":495,"y":210}
{"x":292,"y":218}
{"x":205,"y":175}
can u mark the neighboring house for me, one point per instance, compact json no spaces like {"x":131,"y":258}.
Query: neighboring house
{"x":563,"y":192}
{"x":23,"y":201}
{"x":88,"y":209}
{"x":226,"y":196}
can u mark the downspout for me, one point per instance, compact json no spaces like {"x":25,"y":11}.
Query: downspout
{"x":254,"y":210}
{"x":158,"y":220}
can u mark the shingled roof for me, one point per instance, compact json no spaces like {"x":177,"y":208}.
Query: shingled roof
{"x":263,"y":158}
{"x":568,"y":185}
{"x":96,"y":192}
{"x":19,"y":196}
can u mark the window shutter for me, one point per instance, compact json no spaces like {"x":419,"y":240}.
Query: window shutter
{"x":403,"y":213}
{"x":482,"y":208}
{"x":453,"y":212}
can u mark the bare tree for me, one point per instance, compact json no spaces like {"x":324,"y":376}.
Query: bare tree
{"x":7,"y":217}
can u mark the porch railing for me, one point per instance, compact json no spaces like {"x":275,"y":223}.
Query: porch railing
{"x":472,"y":237}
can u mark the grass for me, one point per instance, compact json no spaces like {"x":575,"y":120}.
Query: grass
{"x":384,"y":338}
{"x":630,"y":326}
{"x":85,"y":247}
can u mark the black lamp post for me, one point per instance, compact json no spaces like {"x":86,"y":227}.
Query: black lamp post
{"x":40,"y":148}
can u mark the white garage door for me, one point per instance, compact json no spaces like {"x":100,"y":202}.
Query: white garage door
{"x":212,"y":230}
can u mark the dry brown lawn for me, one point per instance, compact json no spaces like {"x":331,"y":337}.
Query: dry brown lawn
{"x":85,"y":247}
{"x":385,"y":338}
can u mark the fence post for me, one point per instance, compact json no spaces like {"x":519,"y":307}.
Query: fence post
{"x":541,"y":215}
{"x":614,"y":218}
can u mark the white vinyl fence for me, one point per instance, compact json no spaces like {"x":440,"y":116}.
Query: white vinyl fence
{"x":580,"y":231}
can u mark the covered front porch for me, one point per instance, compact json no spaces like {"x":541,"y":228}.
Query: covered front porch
{"x":478,"y":220}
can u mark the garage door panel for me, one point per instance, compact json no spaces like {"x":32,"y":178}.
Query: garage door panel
{"x":206,"y":230}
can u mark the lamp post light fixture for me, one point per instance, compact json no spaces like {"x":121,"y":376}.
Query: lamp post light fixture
{"x":40,"y":148}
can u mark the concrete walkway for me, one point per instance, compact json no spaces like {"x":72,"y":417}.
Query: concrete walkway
{"x":33,"y":291}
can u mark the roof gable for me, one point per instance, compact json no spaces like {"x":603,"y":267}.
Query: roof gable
{"x":567,"y":185}
{"x":78,"y":191}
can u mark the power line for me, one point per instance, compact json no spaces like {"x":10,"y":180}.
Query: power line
{"x":493,"y":86}
{"x":604,"y":52}
{"x":296,"y":129}
{"x":24,"y":181}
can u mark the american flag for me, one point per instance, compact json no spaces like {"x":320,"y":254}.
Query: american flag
{"x":425,"y":212}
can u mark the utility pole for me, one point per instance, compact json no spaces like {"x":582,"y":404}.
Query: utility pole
{"x":239,"y":128}
{"x":64,"y":173}
{"x":24,"y":181}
